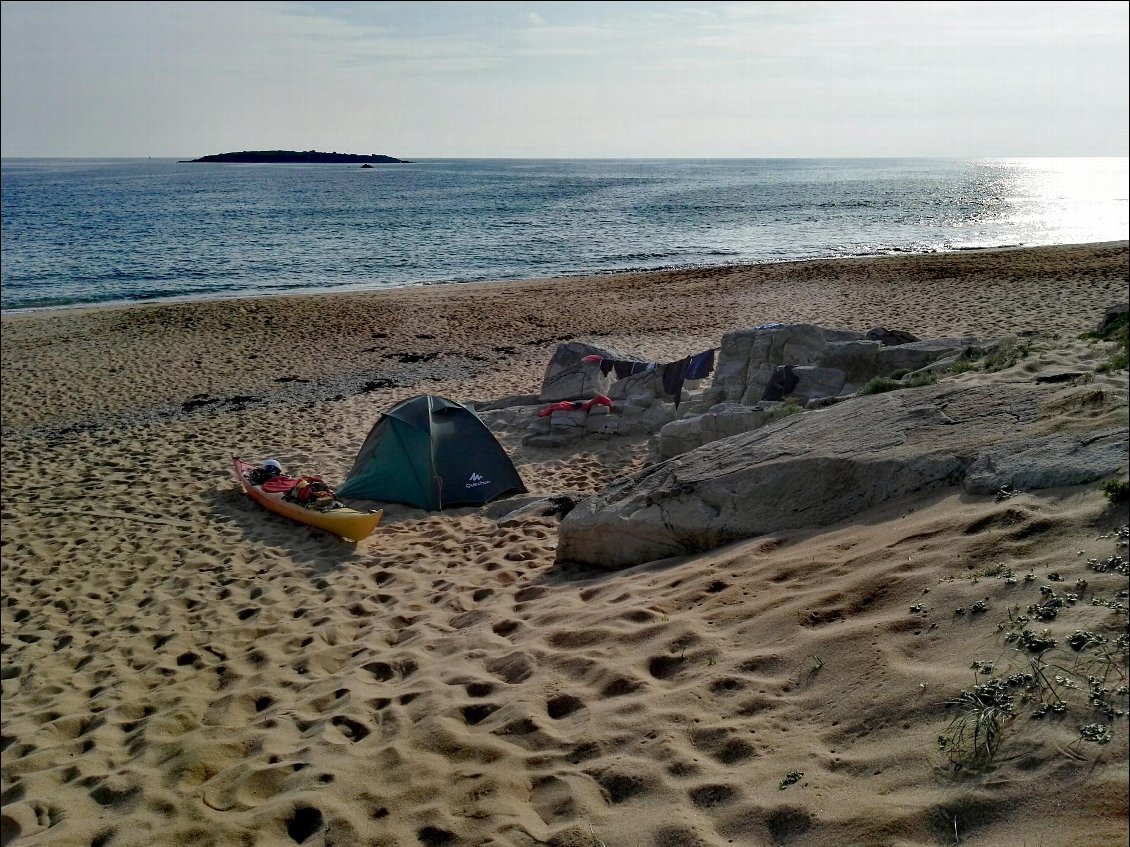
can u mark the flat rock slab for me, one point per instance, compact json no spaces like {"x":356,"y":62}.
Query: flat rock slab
{"x":823,"y":466}
{"x":1049,"y":462}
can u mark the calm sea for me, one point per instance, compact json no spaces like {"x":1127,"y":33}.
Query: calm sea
{"x":78,"y":232}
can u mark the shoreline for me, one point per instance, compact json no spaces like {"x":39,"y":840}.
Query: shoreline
{"x":336,"y":345}
{"x":580,"y":275}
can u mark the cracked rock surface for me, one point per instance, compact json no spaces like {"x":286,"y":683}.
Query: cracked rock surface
{"x":822,"y":467}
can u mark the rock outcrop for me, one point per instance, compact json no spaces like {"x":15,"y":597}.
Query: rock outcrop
{"x":718,"y":422}
{"x":808,"y":365}
{"x":824,"y":362}
{"x":1112,"y":317}
{"x":757,"y":370}
{"x":1047,"y":462}
{"x":821,"y":467}
{"x":569,"y":377}
{"x":640,"y":404}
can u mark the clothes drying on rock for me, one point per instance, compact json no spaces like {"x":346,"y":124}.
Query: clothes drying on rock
{"x":701,"y":365}
{"x":673,"y":374}
{"x":625,"y":367}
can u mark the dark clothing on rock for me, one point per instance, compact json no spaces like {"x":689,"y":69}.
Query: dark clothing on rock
{"x":674,"y":374}
{"x":701,"y":365}
{"x":624,"y":367}
{"x":689,"y":367}
{"x":782,"y":384}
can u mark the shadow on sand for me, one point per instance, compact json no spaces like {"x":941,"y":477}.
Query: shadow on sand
{"x":310,"y":547}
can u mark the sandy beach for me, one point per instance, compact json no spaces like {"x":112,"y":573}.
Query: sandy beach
{"x":181,"y":667}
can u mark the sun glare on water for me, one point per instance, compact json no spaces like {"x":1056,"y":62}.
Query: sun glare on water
{"x":1066,"y":201}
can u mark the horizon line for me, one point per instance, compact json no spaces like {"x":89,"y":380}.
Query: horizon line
{"x":612,"y":158}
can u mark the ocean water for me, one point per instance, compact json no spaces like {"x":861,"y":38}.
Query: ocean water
{"x":99,"y":231}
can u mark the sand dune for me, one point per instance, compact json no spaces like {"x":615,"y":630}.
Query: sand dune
{"x":182,"y":667}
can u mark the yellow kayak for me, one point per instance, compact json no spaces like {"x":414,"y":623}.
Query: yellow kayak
{"x":342,"y":521}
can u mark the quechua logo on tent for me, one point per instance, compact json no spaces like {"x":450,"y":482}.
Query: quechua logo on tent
{"x":476,"y":480}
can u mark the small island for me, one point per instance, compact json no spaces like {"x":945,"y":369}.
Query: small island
{"x":298,"y":157}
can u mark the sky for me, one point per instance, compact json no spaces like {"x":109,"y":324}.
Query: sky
{"x":565,"y":79}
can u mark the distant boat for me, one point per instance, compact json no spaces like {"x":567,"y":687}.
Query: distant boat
{"x":366,"y":166}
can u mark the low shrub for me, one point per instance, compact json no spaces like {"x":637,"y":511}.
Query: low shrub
{"x":1116,"y":490}
{"x":791,"y":406}
{"x":1007,"y":354}
{"x":880,"y":384}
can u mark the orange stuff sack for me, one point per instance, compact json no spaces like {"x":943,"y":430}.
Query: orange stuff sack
{"x":312,"y":492}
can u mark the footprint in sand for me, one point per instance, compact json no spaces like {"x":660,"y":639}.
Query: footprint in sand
{"x":721,"y":744}
{"x":242,"y":787}
{"x":384,"y":671}
{"x":619,"y":686}
{"x":552,"y":799}
{"x":727,"y":685}
{"x":620,"y":785}
{"x":713,"y":794}
{"x":477,"y":713}
{"x":512,"y":668}
{"x":505,"y":628}
{"x":353,"y":730}
{"x":119,"y":792}
{"x":10,"y":829}
{"x":563,"y":705}
{"x":665,"y":666}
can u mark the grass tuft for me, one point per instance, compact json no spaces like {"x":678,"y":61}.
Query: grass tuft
{"x":1008,"y":354}
{"x":1084,"y":673}
{"x":881,"y":384}
{"x":974,"y":734}
{"x":1116,"y":490}
{"x":792,"y":406}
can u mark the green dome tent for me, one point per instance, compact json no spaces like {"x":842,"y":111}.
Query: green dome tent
{"x":433,"y":453}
